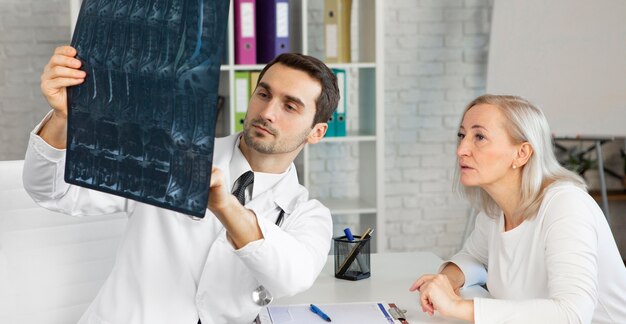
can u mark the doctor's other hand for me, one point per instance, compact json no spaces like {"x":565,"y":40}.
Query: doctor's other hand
{"x":62,"y":71}
{"x":240,"y":223}
{"x":437,"y":294}
{"x":219,"y":197}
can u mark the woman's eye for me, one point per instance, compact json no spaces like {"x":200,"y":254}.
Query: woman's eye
{"x":479,"y":137}
{"x":460,"y":136}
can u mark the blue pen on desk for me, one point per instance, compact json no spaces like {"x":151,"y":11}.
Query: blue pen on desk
{"x":319,"y":312}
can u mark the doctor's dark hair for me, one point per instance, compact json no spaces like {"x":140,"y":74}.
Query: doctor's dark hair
{"x":525,"y":122}
{"x":327,"y":102}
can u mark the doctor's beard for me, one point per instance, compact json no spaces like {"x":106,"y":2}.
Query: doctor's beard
{"x":278,"y":145}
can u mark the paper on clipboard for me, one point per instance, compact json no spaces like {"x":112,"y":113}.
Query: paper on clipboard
{"x":362,"y":313}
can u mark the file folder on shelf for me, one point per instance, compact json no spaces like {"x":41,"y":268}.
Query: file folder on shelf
{"x":340,"y":113}
{"x":245,"y":31}
{"x":337,"y":17}
{"x":272,"y":27}
{"x":242,"y":95}
{"x":254,"y":79}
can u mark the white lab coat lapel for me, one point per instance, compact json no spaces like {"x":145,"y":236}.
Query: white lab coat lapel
{"x":284,"y":195}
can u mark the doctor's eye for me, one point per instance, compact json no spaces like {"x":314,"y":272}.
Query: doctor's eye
{"x":262,"y":93}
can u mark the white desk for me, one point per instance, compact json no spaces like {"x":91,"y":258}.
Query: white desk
{"x":392,"y":275}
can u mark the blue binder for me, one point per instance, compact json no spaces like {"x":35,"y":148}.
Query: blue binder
{"x":272,"y":25}
{"x":340,"y":113}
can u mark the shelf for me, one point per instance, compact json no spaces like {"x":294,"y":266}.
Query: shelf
{"x":349,"y":206}
{"x":365,"y":65}
{"x":349,"y":138}
{"x":259,"y":67}
{"x":245,"y":67}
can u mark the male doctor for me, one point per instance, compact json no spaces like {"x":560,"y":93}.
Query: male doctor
{"x":171,"y":268}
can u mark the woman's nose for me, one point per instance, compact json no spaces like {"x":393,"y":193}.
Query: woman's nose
{"x":462,"y":148}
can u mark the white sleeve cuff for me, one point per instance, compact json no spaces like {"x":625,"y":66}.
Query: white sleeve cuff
{"x":250,"y":248}
{"x":41,"y":147}
{"x":474,"y":271}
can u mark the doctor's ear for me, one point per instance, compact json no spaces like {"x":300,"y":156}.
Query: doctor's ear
{"x":317,"y":133}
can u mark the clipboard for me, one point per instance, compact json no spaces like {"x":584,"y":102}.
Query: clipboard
{"x":362,"y":313}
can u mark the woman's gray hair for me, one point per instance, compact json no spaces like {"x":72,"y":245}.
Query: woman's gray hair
{"x":524,"y":123}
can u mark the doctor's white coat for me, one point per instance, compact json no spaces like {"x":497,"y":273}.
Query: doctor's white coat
{"x":170,"y":269}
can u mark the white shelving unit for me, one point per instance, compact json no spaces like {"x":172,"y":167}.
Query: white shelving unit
{"x":365,"y":113}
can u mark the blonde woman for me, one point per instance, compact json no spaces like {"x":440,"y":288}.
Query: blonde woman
{"x":541,"y":244}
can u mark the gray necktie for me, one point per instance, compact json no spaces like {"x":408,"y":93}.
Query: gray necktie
{"x":243,"y":182}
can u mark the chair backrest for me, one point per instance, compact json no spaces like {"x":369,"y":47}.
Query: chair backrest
{"x":51,"y":265}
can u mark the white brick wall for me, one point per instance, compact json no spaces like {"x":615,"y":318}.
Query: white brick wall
{"x":29,"y":32}
{"x":438,"y":50}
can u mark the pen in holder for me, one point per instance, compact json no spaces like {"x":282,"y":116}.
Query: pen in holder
{"x":352,"y":258}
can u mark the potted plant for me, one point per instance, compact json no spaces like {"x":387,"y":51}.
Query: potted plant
{"x":575,"y":159}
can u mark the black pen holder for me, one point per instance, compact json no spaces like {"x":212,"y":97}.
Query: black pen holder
{"x":352,"y":258}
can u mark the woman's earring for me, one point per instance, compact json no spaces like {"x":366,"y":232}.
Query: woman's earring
{"x":514,"y":167}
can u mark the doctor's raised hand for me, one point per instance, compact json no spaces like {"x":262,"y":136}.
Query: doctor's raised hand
{"x":540,"y":243}
{"x":62,"y":71}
